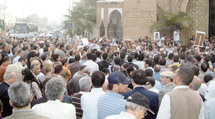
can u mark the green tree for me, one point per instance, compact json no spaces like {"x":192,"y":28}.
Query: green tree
{"x":169,"y":22}
{"x":83,"y":19}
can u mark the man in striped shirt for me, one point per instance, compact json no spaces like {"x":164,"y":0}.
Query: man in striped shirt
{"x":85,"y":86}
{"x":112,"y":102}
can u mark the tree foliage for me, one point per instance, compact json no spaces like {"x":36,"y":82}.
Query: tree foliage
{"x":83,"y":19}
{"x":169,"y":21}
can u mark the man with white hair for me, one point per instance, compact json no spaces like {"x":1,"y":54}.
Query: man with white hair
{"x":195,"y":85}
{"x":73,"y":84}
{"x":20,"y":98}
{"x":85,"y":86}
{"x":54,"y":108}
{"x":9,"y":79}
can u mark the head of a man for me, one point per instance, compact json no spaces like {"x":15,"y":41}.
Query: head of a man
{"x":196,"y":83}
{"x":22,"y":61}
{"x":87,"y":70}
{"x":58,"y":69}
{"x":167,"y":77}
{"x":150,"y":82}
{"x":137,"y":105}
{"x":81,"y":70}
{"x":183,"y":76}
{"x":195,"y":70}
{"x":35,"y":68}
{"x":85,"y":84}
{"x":157,"y":68}
{"x":55,"y":88}
{"x":105,"y":56}
{"x":10,"y":77}
{"x":98,"y":79}
{"x":139,"y":77}
{"x":20,"y":53}
{"x":20,"y":95}
{"x":6,"y":61}
{"x":5,"y":47}
{"x":118,"y":82}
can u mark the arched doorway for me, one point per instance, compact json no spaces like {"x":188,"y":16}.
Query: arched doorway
{"x":115,"y":28}
{"x":102,"y":29}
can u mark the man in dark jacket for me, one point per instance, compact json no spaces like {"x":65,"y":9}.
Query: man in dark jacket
{"x":10,"y":78}
{"x":139,"y":80}
{"x":104,"y":64}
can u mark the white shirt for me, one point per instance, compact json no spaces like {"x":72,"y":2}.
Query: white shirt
{"x":41,"y":77}
{"x":163,"y":38}
{"x":176,"y":36}
{"x":122,"y":115}
{"x":92,"y":65}
{"x":15,"y":60}
{"x":165,"y":108}
{"x":41,"y":52}
{"x":140,"y":64}
{"x":89,"y":103}
{"x":55,"y":110}
{"x":210,"y":91}
{"x":49,"y":61}
{"x":203,"y":89}
{"x":153,"y":89}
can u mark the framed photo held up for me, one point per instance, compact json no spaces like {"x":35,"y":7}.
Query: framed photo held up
{"x":156,"y":36}
{"x":114,"y":47}
{"x":199,"y":38}
{"x":128,"y":44}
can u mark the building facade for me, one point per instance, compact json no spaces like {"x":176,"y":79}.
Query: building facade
{"x":132,"y":19}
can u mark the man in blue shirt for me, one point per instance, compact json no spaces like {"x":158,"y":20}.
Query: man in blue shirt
{"x":112,"y":102}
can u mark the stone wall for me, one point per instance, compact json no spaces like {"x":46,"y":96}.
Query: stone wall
{"x":138,"y":16}
{"x":198,"y":10}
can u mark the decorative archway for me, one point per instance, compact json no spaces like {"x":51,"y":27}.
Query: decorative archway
{"x":102,"y":29}
{"x":115,"y":28}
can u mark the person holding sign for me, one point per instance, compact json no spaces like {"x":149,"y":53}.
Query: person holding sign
{"x":176,"y":37}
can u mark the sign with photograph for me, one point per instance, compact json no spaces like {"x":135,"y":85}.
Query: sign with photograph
{"x":128,"y":44}
{"x":114,"y":47}
{"x":156,"y":36}
{"x":199,"y":38}
{"x":85,"y":41}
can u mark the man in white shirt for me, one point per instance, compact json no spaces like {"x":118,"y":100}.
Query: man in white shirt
{"x":210,"y":91}
{"x":182,"y":102}
{"x":89,"y":100}
{"x":54,"y":108}
{"x":20,"y":54}
{"x":89,"y":63}
{"x":176,"y":37}
{"x":140,"y":63}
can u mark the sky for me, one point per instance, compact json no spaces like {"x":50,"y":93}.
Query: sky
{"x":52,"y":9}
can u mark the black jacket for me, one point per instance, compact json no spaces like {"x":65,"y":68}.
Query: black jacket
{"x":103,"y":64}
{"x":7,"y":109}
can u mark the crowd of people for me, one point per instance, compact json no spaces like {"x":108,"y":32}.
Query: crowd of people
{"x":62,"y":78}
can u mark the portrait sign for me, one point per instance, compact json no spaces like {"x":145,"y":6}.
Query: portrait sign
{"x":85,"y":41}
{"x":114,"y":47}
{"x":156,"y":36}
{"x":128,"y":44}
{"x":199,"y":38}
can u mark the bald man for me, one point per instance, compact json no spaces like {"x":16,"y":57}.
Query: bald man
{"x":195,"y":85}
